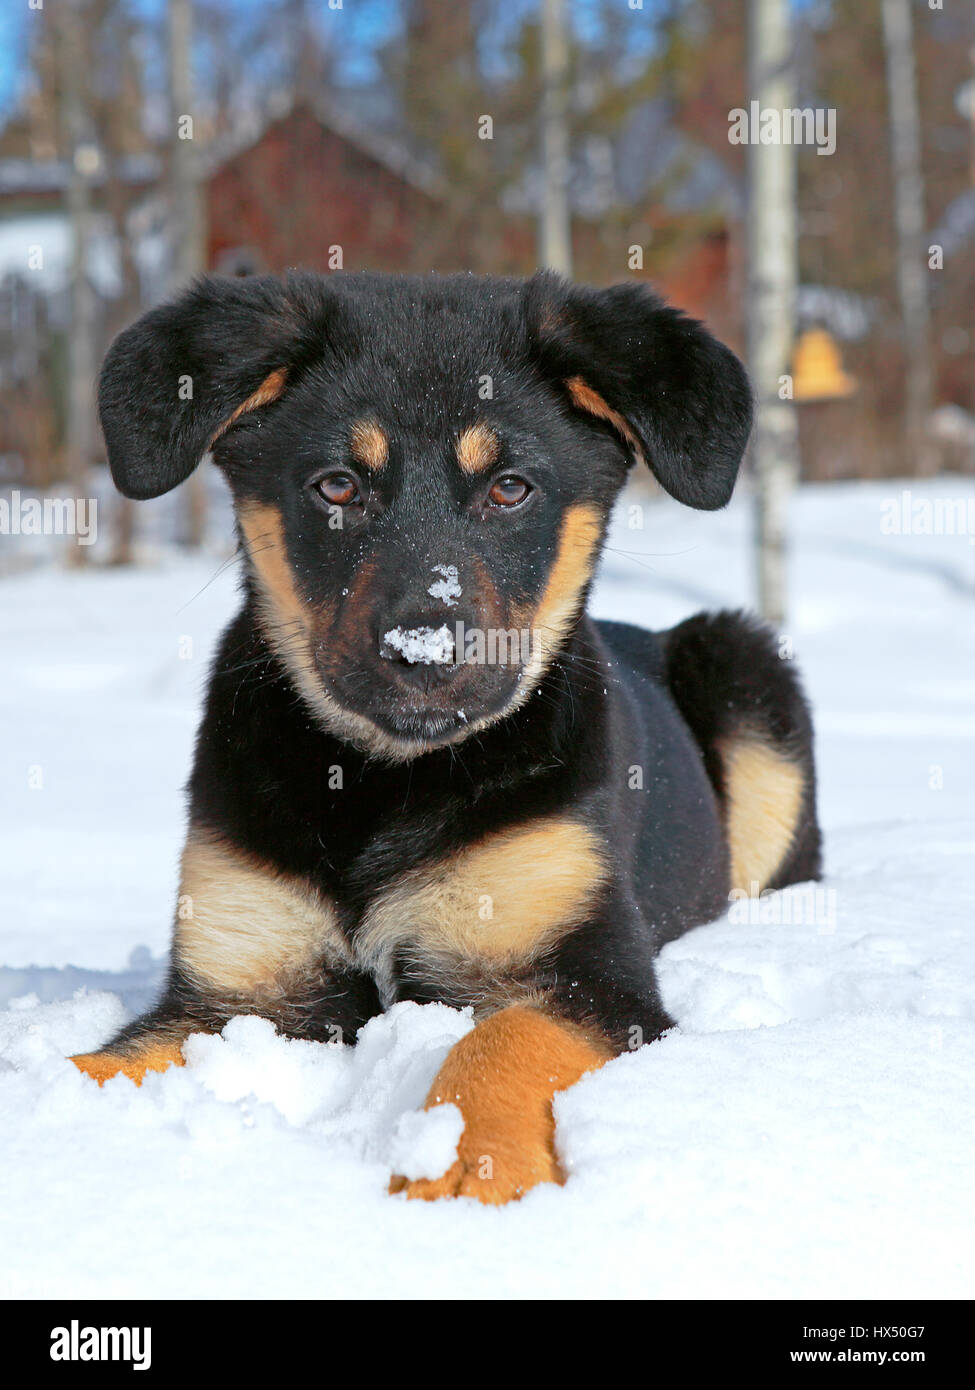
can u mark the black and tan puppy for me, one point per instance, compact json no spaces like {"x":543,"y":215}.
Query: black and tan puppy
{"x":422,"y":772}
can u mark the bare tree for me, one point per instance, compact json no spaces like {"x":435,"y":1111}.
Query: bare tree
{"x":905,"y":144}
{"x":187,"y":214}
{"x":555,"y":225}
{"x":83,"y":162}
{"x":117,"y":110}
{"x":772,"y":274}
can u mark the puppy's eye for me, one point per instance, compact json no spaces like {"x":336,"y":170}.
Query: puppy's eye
{"x":509,"y":491}
{"x":339,"y":489}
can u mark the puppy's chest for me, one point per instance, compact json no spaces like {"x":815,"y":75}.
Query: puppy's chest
{"x":447,"y":929}
{"x":483,"y":913}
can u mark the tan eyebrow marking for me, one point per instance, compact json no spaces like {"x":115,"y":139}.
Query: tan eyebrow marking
{"x":477,"y":448}
{"x":368,"y":443}
{"x":269,"y":390}
{"x":586,"y":398}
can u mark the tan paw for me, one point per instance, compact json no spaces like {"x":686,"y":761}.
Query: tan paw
{"x":103,"y":1065}
{"x":502,"y":1076}
{"x":493,"y":1171}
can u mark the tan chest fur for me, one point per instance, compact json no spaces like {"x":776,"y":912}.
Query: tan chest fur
{"x":491,"y":908}
{"x":242,"y":929}
{"x":465,"y":923}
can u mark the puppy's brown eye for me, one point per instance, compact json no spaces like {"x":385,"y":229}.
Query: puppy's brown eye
{"x":509,"y":491}
{"x":339,"y":490}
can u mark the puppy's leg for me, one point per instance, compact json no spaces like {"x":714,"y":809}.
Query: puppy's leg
{"x":103,"y":1065}
{"x":249,"y":940}
{"x":503,"y":1076}
{"x":152,"y":1045}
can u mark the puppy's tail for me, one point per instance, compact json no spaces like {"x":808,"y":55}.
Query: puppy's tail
{"x":742,"y":699}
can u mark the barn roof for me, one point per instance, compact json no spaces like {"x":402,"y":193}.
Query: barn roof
{"x":45,"y":179}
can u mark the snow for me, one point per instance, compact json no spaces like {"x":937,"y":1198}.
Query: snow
{"x":425,"y":1141}
{"x":447,"y":589}
{"x":808,"y":1129}
{"x":426,"y":645}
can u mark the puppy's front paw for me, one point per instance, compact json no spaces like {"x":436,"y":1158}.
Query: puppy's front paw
{"x":101,"y":1066}
{"x":503,"y":1076}
{"x":495,"y":1167}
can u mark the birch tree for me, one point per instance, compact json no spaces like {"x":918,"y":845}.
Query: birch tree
{"x":772,"y":274}
{"x":187,"y":219}
{"x":905,"y":146}
{"x":83,"y":162}
{"x":555,"y":222}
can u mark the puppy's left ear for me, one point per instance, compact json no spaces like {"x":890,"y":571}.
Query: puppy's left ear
{"x":679,"y":399}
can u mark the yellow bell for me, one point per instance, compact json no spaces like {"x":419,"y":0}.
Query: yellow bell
{"x":817,"y":368}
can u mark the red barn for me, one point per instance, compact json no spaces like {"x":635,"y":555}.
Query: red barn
{"x":310,"y":193}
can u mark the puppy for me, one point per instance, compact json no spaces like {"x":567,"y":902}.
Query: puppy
{"x":422,"y":772}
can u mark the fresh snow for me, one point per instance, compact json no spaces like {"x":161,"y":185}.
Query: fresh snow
{"x":447,"y":589}
{"x":808,"y":1129}
{"x":427,"y":645}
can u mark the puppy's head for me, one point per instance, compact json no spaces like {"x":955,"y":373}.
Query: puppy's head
{"x":422,"y":468}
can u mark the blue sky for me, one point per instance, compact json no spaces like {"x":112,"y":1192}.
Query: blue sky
{"x":365,"y":23}
{"x":362,"y":24}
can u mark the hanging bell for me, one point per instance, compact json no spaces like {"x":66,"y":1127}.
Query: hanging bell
{"x":817,"y":368}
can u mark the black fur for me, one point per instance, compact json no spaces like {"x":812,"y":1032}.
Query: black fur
{"x":415,"y":353}
{"x":685,"y":396}
{"x":727,"y":675}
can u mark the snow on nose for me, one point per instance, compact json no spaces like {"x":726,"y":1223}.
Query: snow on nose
{"x":446,"y":588}
{"x":429,"y":646}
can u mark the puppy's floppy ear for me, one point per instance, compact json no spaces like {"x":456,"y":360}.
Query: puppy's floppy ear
{"x":678,"y":397}
{"x":178,"y":378}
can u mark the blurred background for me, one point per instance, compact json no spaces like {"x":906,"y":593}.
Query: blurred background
{"x":142,"y":141}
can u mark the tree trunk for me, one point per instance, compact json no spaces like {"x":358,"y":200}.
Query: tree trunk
{"x":905,"y":145}
{"x":555,"y":223}
{"x":123,"y":531}
{"x":82,"y":156}
{"x":187,"y":214}
{"x":772,"y":274}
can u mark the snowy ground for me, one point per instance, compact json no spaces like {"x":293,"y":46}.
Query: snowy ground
{"x":809,"y":1129}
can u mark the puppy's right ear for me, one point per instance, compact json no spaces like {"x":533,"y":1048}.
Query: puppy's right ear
{"x":183,"y":373}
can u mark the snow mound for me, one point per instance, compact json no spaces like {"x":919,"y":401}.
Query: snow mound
{"x":425,"y":1141}
{"x":261,"y":1167}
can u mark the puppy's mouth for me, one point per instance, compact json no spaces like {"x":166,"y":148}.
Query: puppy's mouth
{"x":426,"y":707}
{"x":436,"y":716}
{"x":430,"y":727}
